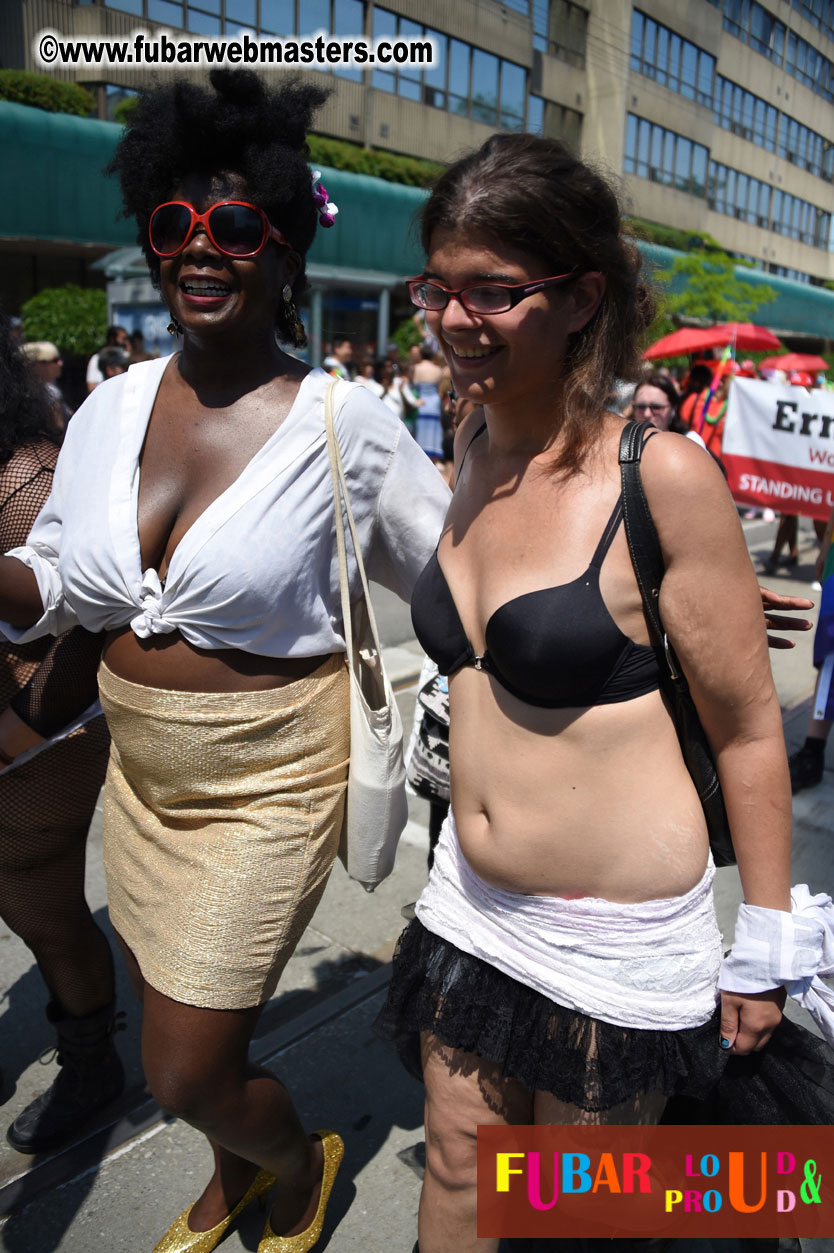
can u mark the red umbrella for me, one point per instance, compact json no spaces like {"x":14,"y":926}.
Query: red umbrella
{"x":745,"y":336}
{"x":806,"y":361}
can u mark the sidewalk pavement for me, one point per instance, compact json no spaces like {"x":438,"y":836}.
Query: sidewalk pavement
{"x":119,"y":1189}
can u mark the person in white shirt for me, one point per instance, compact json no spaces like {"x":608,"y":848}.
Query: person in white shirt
{"x":117,"y":337}
{"x":191,"y":519}
{"x":392,"y":389}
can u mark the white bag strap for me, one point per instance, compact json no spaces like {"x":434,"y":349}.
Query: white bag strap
{"x":337,"y":474}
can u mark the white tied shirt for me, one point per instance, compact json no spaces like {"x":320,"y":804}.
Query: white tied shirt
{"x":258,"y":569}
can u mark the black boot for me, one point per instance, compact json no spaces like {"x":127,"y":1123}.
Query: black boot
{"x":807,"y":764}
{"x":91,"y":1076}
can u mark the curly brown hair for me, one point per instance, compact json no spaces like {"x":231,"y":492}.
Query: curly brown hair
{"x":533,"y":194}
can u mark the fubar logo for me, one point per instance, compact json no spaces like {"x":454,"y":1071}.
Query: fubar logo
{"x":685,"y":1182}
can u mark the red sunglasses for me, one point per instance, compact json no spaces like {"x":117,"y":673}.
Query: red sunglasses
{"x":235,"y":228}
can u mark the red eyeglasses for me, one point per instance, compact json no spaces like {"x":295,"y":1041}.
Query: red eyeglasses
{"x":235,"y":227}
{"x":483,"y":298}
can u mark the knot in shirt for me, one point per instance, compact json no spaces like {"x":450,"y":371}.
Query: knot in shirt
{"x":150,"y":621}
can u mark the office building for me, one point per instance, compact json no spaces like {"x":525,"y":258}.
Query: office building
{"x":718,"y":115}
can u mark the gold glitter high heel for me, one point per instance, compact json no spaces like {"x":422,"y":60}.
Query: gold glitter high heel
{"x":334,"y":1150}
{"x":179,"y":1238}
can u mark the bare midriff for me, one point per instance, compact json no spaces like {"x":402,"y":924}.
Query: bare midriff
{"x":573,"y":802}
{"x":169,"y":661}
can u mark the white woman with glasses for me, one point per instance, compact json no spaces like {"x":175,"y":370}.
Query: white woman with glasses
{"x":564,"y":962}
{"x":657,"y":400}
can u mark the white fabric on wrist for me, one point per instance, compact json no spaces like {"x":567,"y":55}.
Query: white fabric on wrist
{"x":776,"y":949}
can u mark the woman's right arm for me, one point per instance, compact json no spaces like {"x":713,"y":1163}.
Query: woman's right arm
{"x":31,"y":592}
{"x":20,"y":597}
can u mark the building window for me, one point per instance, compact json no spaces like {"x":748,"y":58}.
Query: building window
{"x":751,"y":23}
{"x":658,"y":53}
{"x":653,"y":152}
{"x":484,"y":87}
{"x":540,"y":24}
{"x":555,"y":121}
{"x":459,"y":58}
{"x":755,"y":26}
{"x":808,"y":65}
{"x":239,"y":13}
{"x":567,"y":33}
{"x":783,"y":271}
{"x":513,"y":86}
{"x":165,"y":11}
{"x":203,"y":17}
{"x":384,"y":27}
{"x":819,"y":13}
{"x":535,"y":115}
{"x":738,"y":195}
{"x":805,"y":148}
{"x":313,"y":15}
{"x":744,"y":114}
{"x":126,"y":6}
{"x":278,"y":17}
{"x":463,"y":79}
{"x":434,"y":78}
{"x":113,"y":96}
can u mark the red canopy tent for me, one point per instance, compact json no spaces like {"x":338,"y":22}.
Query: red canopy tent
{"x":807,"y":361}
{"x":745,"y":337}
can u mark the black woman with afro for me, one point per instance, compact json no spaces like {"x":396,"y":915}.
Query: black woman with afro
{"x":192,"y":520}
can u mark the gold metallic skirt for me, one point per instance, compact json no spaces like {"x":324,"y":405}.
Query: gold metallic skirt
{"x":221,"y":821}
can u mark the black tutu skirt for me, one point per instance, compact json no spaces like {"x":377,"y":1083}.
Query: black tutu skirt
{"x":791,"y":1081}
{"x":470,"y":1005}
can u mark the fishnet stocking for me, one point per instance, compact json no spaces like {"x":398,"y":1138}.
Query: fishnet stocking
{"x":46,"y":805}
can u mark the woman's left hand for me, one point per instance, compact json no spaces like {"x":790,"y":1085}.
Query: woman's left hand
{"x":774,"y":600}
{"x":748,"y":1020}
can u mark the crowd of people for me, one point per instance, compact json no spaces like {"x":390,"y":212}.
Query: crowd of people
{"x":564,"y":965}
{"x":417,"y":388}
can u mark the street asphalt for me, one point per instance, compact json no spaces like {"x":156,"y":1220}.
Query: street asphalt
{"x":118,"y":1188}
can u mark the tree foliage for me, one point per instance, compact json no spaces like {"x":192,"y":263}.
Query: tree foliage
{"x":124,"y":108}
{"x":670,"y":236}
{"x":341,"y":155}
{"x":703,"y":284}
{"x":40,"y":91}
{"x":73,"y":318}
{"x":407,"y":335}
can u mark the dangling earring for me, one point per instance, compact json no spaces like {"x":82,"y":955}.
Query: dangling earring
{"x":294,"y":322}
{"x":173,"y":327}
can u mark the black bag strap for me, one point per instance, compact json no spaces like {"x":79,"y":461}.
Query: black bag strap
{"x":643,"y":542}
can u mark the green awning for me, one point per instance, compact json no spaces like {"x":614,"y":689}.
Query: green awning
{"x":54,"y":188}
{"x":375,"y":227}
{"x":799,"y":308}
{"x":52,"y":176}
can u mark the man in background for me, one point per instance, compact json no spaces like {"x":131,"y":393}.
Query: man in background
{"x":113,"y":361}
{"x":117,"y":337}
{"x":338,"y":361}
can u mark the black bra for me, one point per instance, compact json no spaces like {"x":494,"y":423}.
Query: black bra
{"x":558,"y":648}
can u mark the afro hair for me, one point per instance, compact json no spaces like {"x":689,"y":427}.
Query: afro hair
{"x":238,"y":126}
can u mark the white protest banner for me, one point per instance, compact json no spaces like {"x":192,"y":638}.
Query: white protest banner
{"x":778,"y":447}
